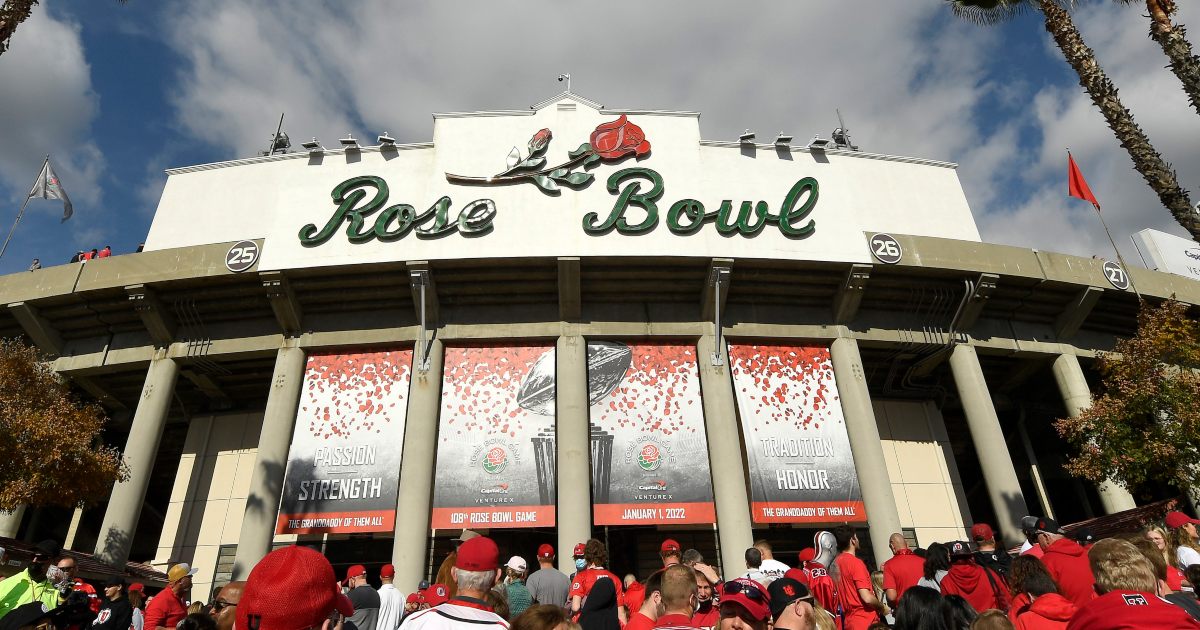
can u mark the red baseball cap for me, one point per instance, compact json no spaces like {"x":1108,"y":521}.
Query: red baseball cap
{"x":290,"y":589}
{"x":137,"y":587}
{"x":748,"y":594}
{"x":355,"y":571}
{"x":669,"y":546}
{"x":413,"y":598}
{"x":1179,"y":519}
{"x":806,"y":555}
{"x":982,"y":531}
{"x":545,"y":551}
{"x":388,"y":571}
{"x":579,"y":550}
{"x":436,"y":594}
{"x":478,"y":554}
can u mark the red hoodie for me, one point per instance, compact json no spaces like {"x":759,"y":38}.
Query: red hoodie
{"x":1131,"y":610}
{"x":971,"y":582}
{"x":1067,"y":563}
{"x":1048,"y":612}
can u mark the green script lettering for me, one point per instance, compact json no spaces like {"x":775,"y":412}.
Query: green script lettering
{"x":395,"y":221}
{"x":629,"y":195}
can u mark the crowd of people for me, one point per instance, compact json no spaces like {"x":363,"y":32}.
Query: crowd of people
{"x":1137,"y":580}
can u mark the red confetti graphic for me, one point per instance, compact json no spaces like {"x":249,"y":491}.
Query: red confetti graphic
{"x":480,"y":385}
{"x":662,"y":384}
{"x":791,"y":383}
{"x":354,"y":393}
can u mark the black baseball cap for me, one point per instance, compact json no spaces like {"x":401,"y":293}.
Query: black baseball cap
{"x":48,"y":548}
{"x":25,"y":615}
{"x":114,"y":580}
{"x":1049,"y":526}
{"x":783,"y":591}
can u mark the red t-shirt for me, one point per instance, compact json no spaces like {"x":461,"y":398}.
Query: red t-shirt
{"x":1067,"y":563}
{"x":638,"y":621}
{"x":585,"y":579}
{"x":707,"y":616}
{"x":1131,"y":610}
{"x":674,"y":621}
{"x":164,"y":611}
{"x":854,"y":575}
{"x":903,"y":571}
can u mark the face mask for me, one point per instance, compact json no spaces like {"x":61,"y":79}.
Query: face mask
{"x":57,"y":576}
{"x":580,"y":564}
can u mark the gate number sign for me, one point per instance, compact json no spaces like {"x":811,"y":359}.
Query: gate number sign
{"x":1116,"y":275}
{"x":241,"y":256}
{"x":886,"y":249}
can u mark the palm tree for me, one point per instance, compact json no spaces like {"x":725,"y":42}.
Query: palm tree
{"x":1146,"y":160}
{"x":12,"y":13}
{"x":1178,"y":49}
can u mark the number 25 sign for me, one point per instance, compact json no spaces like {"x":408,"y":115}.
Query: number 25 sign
{"x":241,"y":256}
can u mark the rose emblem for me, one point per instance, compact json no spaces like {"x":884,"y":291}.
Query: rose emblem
{"x":495,"y":461}
{"x":650,"y":457}
{"x":616,"y":139}
{"x":610,"y":141}
{"x":539,"y":141}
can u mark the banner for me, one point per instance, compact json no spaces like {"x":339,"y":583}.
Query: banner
{"x":649,"y":451}
{"x":344,"y":463}
{"x":797,"y":449}
{"x":495,"y":459}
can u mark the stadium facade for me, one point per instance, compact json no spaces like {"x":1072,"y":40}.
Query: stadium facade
{"x":569,"y":322}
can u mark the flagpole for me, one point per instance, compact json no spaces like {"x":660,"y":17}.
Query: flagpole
{"x":22,"y":212}
{"x":1120,"y":258}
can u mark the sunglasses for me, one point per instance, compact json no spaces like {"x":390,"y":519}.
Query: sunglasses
{"x":749,"y":590}
{"x":221,"y":604}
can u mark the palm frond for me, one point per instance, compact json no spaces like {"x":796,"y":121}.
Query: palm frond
{"x":988,"y":12}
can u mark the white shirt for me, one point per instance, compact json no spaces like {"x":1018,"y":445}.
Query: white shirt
{"x":391,"y":607}
{"x":757,"y":575}
{"x":773,"y":569}
{"x":450,"y":616}
{"x":1186,"y":556}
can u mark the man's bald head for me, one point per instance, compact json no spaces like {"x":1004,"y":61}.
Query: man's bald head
{"x":897,"y":542}
{"x":225,"y":606}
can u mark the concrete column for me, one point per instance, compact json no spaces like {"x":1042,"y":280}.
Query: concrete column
{"x":125,"y":504}
{"x":734,"y":529}
{"x":415,"y":496}
{"x":1077,"y":396}
{"x":573,"y":449}
{"x":863,"y":431}
{"x":73,"y":529}
{"x":270,"y":463}
{"x":990,"y":448}
{"x":10,"y":522}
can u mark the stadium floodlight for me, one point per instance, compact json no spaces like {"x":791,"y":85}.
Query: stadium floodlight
{"x":782,"y":140}
{"x":313,"y":146}
{"x":747,"y":137}
{"x":386,"y":140}
{"x":349,"y":143}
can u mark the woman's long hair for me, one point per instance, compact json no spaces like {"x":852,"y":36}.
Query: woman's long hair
{"x":1023,"y":567}
{"x":1178,"y":537}
{"x":920,"y":609}
{"x":937,"y":558}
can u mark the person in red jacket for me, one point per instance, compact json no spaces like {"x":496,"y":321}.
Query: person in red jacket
{"x":1066,"y":562}
{"x":816,"y":577}
{"x":1049,"y":610}
{"x":1022,"y":568}
{"x":1128,"y":597}
{"x":902,"y":571}
{"x":982,"y":588}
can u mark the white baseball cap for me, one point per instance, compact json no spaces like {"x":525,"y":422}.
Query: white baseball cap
{"x":516,"y":563}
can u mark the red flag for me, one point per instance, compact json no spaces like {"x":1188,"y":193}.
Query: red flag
{"x":1077,"y":185}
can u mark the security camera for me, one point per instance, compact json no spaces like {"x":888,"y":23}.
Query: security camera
{"x":560,"y":78}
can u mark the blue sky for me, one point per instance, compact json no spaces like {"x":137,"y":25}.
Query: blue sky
{"x":117,"y":93}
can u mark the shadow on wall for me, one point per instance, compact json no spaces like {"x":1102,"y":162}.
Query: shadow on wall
{"x":115,"y":545}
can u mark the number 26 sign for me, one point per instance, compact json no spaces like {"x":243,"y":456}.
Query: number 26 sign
{"x":886,"y":249}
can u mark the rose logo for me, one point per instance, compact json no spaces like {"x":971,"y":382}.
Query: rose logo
{"x":650,"y":458}
{"x":616,"y":139}
{"x":495,"y":461}
{"x":612,"y":140}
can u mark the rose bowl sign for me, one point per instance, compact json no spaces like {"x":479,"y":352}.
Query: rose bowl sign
{"x":565,"y":179}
